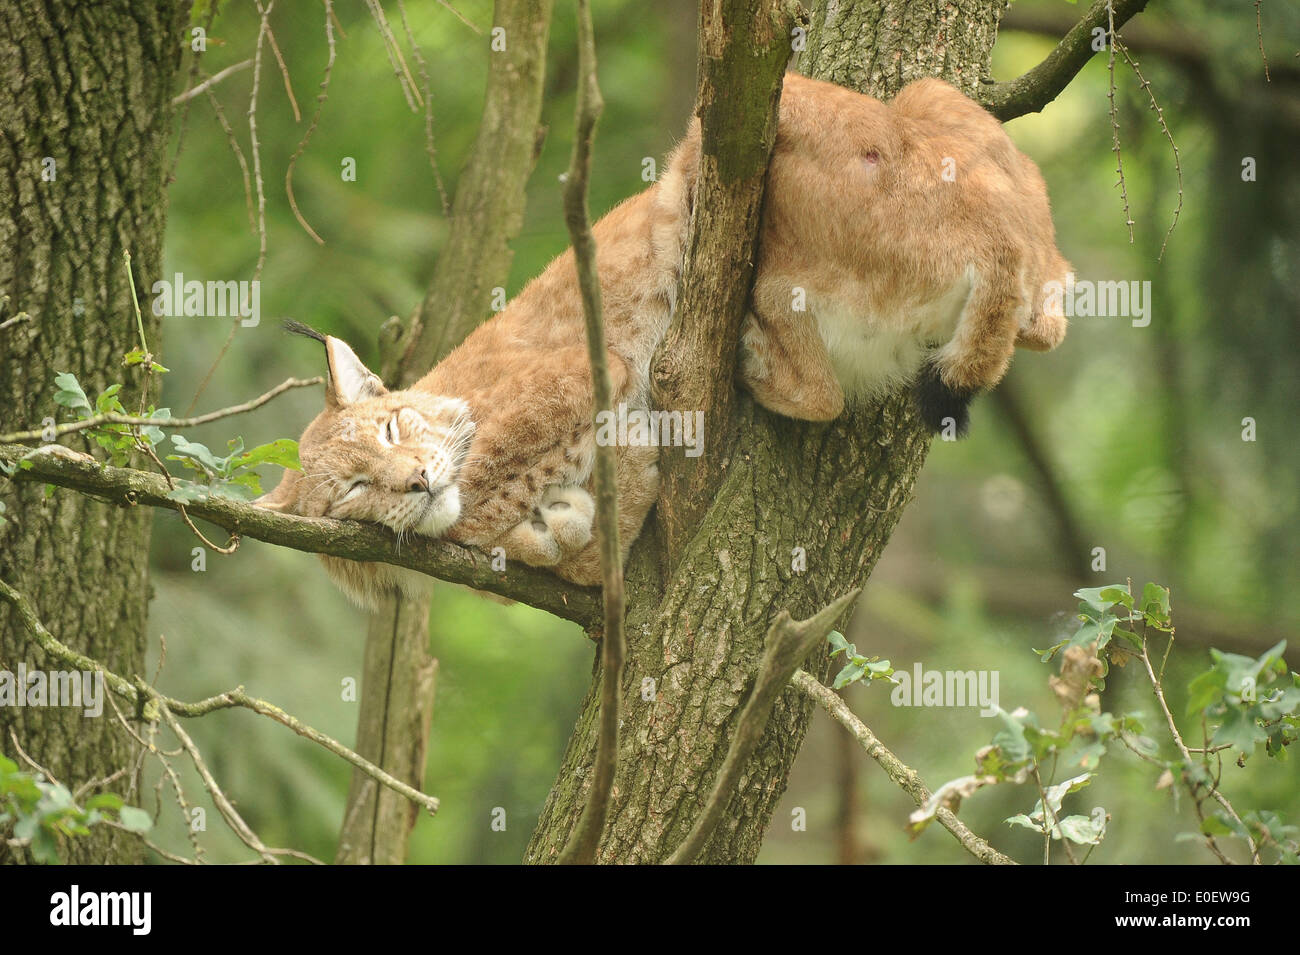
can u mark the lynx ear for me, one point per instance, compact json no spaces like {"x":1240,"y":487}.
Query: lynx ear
{"x":350,"y":380}
{"x":285,"y":496}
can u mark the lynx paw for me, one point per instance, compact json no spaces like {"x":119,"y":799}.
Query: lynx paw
{"x":560,"y":525}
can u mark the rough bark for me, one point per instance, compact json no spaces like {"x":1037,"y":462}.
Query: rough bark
{"x":89,"y":87}
{"x":836,"y":491}
{"x":397,"y":682}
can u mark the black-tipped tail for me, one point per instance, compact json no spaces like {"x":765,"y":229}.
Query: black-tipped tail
{"x":298,"y":328}
{"x":942,"y":408}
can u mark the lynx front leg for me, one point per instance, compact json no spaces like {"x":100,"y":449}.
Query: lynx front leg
{"x":559,"y":526}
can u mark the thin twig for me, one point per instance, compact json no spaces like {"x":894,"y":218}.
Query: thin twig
{"x":284,"y":70}
{"x":224,"y":806}
{"x":154,"y":704}
{"x":423,"y":67}
{"x":581,"y":849}
{"x":901,"y":774}
{"x":103,"y":419}
{"x":306,"y":137}
{"x":1187,"y":755}
{"x":1259,"y":33}
{"x":1164,"y":127}
{"x":395,"y":57}
{"x":1114,"y":118}
{"x":210,"y":82}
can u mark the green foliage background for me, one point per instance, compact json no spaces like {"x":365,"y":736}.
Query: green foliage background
{"x":1141,"y":428}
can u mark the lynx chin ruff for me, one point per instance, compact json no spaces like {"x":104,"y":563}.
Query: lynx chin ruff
{"x":901,"y":242}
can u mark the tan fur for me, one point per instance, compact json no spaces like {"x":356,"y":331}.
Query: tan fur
{"x":892,"y":263}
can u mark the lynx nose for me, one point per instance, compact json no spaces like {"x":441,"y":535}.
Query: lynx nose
{"x":419,"y":482}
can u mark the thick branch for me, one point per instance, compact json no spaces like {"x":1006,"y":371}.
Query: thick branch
{"x":744,"y":49}
{"x":902,"y":775}
{"x":319,"y":535}
{"x":581,"y":849}
{"x":1034,"y":90}
{"x":788,"y":644}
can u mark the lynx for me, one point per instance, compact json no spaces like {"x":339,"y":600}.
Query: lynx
{"x":908,"y":241}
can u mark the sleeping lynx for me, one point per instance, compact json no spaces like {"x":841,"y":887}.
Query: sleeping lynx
{"x":908,"y":241}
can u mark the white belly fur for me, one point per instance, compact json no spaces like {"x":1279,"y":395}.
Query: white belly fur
{"x":873,"y":353}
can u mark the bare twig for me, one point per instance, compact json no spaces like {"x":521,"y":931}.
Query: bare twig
{"x":581,"y":849}
{"x":1259,"y":33}
{"x":1188,"y":760}
{"x":1164,"y":128}
{"x":423,"y":68}
{"x":395,"y":57}
{"x":224,"y":806}
{"x":279,"y":59}
{"x":788,"y":643}
{"x":210,"y":82}
{"x":315,"y":120}
{"x":239,"y":157}
{"x":103,"y":419}
{"x":153,"y":705}
{"x":902,"y":775}
{"x":1114,"y":120}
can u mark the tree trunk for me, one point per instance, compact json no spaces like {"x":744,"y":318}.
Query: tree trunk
{"x":88,"y":88}
{"x":834,"y":491}
{"x":397,"y":682}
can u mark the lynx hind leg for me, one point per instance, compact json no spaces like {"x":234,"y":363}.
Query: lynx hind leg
{"x":559,"y":526}
{"x":785,"y":366}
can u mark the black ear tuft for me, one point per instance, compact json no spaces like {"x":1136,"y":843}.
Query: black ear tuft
{"x":298,"y":328}
{"x":940,"y":405}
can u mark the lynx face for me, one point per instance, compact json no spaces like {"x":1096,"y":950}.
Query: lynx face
{"x":393,"y":458}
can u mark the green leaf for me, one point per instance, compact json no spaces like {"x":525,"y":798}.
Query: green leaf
{"x":1239,"y":730}
{"x":133,"y":819}
{"x":1155,"y":605}
{"x":284,"y":452}
{"x":105,"y":801}
{"x":1083,"y":830}
{"x":1205,"y":690}
{"x":197,"y":452}
{"x":70,"y":395}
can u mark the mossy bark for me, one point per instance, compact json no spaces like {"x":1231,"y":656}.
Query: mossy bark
{"x":834,"y":491}
{"x":86,"y":87}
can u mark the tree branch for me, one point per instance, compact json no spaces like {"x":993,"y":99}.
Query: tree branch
{"x":902,"y":775}
{"x":54,"y":464}
{"x":581,"y":849}
{"x":788,"y":644}
{"x":103,"y":419}
{"x":1034,"y":90}
{"x":744,"y":48}
{"x":152,"y":705}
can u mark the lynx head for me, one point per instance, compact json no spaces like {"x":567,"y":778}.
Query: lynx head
{"x":390,"y":457}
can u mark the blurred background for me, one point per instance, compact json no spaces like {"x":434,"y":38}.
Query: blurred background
{"x":1128,"y":439}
